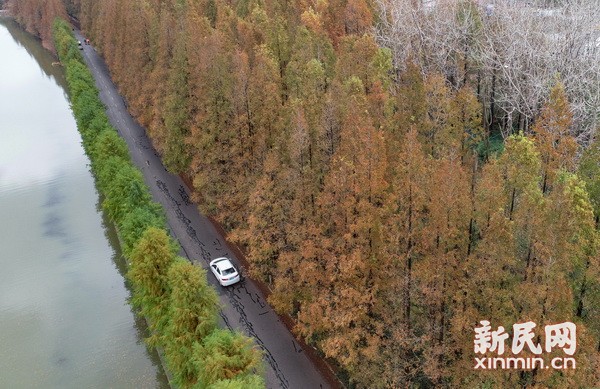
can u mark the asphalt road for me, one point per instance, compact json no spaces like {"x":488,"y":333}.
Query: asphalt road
{"x":244,"y":307}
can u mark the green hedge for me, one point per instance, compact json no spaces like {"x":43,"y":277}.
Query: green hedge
{"x":171,"y":293}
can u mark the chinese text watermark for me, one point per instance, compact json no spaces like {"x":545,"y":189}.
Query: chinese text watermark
{"x":556,"y":336}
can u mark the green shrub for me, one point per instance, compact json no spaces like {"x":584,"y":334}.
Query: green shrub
{"x":109,"y":144}
{"x":136,"y":222}
{"x":94,"y":128}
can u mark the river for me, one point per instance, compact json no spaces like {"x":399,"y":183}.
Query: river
{"x":65,"y":321}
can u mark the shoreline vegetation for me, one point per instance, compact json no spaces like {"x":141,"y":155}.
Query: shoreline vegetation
{"x":170,"y":292}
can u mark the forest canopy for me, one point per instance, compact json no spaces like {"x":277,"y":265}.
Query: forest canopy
{"x":396,"y":171}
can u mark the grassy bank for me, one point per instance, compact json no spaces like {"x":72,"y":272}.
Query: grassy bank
{"x":170,"y":292}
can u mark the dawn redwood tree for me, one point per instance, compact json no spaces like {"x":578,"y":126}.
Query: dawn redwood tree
{"x":412,"y":106}
{"x":226,"y":355}
{"x":177,"y":110}
{"x":553,"y":138}
{"x":213,"y":136}
{"x":589,"y":171}
{"x":573,"y":242}
{"x":560,"y":247}
{"x":132,"y":51}
{"x":404,"y":216}
{"x":278,"y":43}
{"x":137,"y":221}
{"x":358,"y":18}
{"x":407,"y":207}
{"x":487,"y":277}
{"x":37,"y":17}
{"x":465,"y":125}
{"x":193,"y":314}
{"x":520,"y":164}
{"x":269,"y":213}
{"x":264,"y":94}
{"x":311,"y":43}
{"x":127,"y":192}
{"x":299,"y":267}
{"x":150,"y":262}
{"x":255,"y":123}
{"x":356,"y":57}
{"x":104,"y":30}
{"x":109,"y":143}
{"x":351,"y":257}
{"x":438,"y":100}
{"x":306,"y":149}
{"x":380,"y":97}
{"x":437,"y":273}
{"x":153,"y":99}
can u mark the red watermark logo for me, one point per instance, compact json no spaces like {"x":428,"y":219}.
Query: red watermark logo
{"x":562,"y":335}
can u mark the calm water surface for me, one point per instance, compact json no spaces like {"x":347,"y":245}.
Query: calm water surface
{"x":64,"y":317}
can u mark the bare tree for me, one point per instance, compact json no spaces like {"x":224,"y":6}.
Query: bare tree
{"x":514,"y":51}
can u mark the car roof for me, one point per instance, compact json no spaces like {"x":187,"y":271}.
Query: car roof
{"x":222,"y":263}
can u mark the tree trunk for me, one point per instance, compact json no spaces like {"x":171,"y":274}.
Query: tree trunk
{"x":492,"y":101}
{"x":512,"y":203}
{"x":579,"y":311}
{"x":408,"y":285}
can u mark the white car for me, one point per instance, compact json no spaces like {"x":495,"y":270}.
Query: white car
{"x":224,"y":270}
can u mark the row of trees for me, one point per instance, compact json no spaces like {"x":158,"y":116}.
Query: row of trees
{"x":37,"y":16}
{"x":173,"y":294}
{"x":369,"y":188}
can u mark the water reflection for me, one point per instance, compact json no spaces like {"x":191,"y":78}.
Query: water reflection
{"x":34,"y":48}
{"x":32,"y":96}
{"x":120,"y":263}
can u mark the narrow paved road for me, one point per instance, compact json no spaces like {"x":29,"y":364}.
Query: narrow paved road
{"x":244,"y":306}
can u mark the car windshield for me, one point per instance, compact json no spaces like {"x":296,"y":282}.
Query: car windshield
{"x":228,"y":271}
